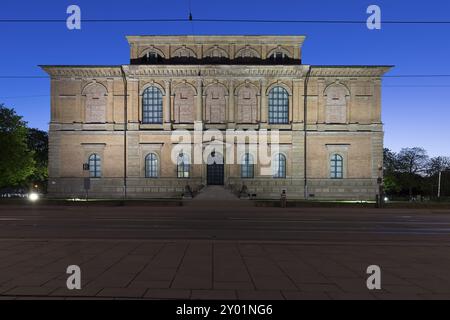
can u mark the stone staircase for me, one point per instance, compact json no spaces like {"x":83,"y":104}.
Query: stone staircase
{"x":215,"y":196}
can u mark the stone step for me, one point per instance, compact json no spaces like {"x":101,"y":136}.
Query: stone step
{"x":216,"y":196}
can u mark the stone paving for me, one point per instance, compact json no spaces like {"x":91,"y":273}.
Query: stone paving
{"x":206,"y":269}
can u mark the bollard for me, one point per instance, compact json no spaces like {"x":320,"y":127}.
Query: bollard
{"x":283,"y":199}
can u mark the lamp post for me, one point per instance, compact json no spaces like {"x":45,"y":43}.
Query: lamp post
{"x":380,"y":187}
{"x":439,"y":185}
{"x":86,"y":180}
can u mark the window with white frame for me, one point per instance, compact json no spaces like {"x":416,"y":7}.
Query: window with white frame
{"x":152,"y":106}
{"x":95,"y":167}
{"x":151,"y":166}
{"x":279,"y":165}
{"x":247,"y":166}
{"x":278,"y":106}
{"x":336,"y":166}
{"x":183,"y":166}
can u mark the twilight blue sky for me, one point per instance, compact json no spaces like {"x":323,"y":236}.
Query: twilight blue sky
{"x":416,"y":111}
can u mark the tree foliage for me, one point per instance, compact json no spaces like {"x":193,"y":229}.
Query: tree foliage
{"x":16,"y":159}
{"x":411,"y":172}
{"x":38,"y":142}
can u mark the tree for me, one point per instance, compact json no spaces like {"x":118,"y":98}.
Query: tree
{"x":412,"y":162}
{"x":38,"y":142}
{"x":389,"y":161}
{"x":16,"y":160}
{"x":438,"y":164}
{"x":390,"y":178}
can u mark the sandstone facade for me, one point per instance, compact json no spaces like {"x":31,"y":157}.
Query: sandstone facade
{"x":328,"y":117}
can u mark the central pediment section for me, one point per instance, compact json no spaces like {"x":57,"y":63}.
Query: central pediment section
{"x":216,"y":50}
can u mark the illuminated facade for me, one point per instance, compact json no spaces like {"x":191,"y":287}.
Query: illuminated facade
{"x":119,"y":120}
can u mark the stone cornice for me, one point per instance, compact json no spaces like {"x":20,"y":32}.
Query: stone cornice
{"x":183,"y":71}
{"x":216,"y":71}
{"x":216,"y":39}
{"x":83,"y":71}
{"x":349,"y":71}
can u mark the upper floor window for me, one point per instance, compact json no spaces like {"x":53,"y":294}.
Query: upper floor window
{"x":183,"y":166}
{"x":184,"y":52}
{"x":95,"y":168}
{"x":278,"y":106}
{"x":278,"y":55}
{"x":247,"y":166}
{"x":151,"y":166}
{"x":279,"y":166}
{"x":152,"y":57}
{"x":336,"y":166}
{"x":216,"y":54}
{"x":152,"y":108}
{"x":247,"y":52}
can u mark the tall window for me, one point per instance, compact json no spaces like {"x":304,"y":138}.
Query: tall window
{"x":278,"y":106}
{"x":279,"y":166}
{"x":151,"y":166}
{"x":336,"y":166}
{"x":278,"y":55}
{"x":183,"y":166}
{"x":152,"y":57}
{"x":152,"y":108}
{"x":247,"y":166}
{"x":95,"y":167}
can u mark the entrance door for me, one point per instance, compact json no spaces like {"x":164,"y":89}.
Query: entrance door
{"x":214,"y":174}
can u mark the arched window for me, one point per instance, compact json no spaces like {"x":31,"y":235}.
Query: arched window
{"x":152,"y":108}
{"x":278,"y":106}
{"x":151,"y":166}
{"x":184,"y":52}
{"x":336,"y":166}
{"x":95,"y":166}
{"x":152,"y":57}
{"x":279,"y":166}
{"x":278,"y":55}
{"x":247,"y":52}
{"x":183,"y":166}
{"x":247,"y":166}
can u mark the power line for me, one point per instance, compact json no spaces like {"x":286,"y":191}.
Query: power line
{"x":29,"y":96}
{"x":218,"y":20}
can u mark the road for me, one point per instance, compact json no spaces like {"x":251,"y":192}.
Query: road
{"x":248,"y":223}
{"x":223,"y":252}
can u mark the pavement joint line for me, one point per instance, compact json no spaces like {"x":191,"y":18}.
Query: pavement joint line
{"x":400,"y":243}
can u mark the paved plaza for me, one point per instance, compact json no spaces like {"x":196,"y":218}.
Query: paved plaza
{"x":223,"y":252}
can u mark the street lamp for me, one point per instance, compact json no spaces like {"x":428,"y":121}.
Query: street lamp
{"x":33,"y":196}
{"x":379,"y":197}
{"x":439,"y":185}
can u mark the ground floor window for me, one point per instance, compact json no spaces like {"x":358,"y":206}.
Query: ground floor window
{"x":247,"y":166}
{"x":279,"y":166}
{"x":151,"y":166}
{"x":336,"y":166}
{"x":183,"y":166}
{"x":95,"y":168}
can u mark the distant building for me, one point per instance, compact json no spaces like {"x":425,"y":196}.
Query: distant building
{"x":215,"y":82}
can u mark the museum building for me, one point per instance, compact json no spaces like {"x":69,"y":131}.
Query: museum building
{"x":112,"y":126}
